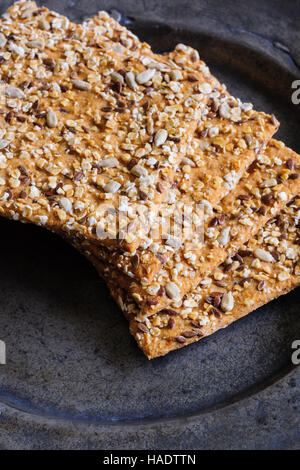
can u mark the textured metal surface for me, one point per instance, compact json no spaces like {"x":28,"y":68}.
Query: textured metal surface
{"x":74,"y":377}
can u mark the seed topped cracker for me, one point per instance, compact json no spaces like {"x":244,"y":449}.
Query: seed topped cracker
{"x":90,"y":116}
{"x":74,"y":118}
{"x":271,"y":182}
{"x":265,"y":268}
{"x":226,"y":142}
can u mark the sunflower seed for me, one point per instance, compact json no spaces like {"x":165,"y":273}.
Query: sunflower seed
{"x":224,"y":236}
{"x":213,"y":131}
{"x":81,"y":85}
{"x":45,"y":25}
{"x":269,"y":183}
{"x":172,"y":291}
{"x":139,"y":171}
{"x":36,"y":44}
{"x":263,"y":255}
{"x":28,"y":13}
{"x":283,"y":276}
{"x":224,"y":111}
{"x":4,"y":143}
{"x":66,"y":204}
{"x":273,"y":120}
{"x":108,"y":163}
{"x":3,"y":40}
{"x":145,"y":76}
{"x":117,"y":77}
{"x":160,"y":137}
{"x":248,"y":139}
{"x":130,"y":80}
{"x":13,"y":92}
{"x":173,"y":241}
{"x":282,"y":196}
{"x":112,"y":187}
{"x":187,"y":161}
{"x":227,"y":302}
{"x":176,"y":75}
{"x":51,"y":118}
{"x":78,"y":176}
{"x":205,"y":88}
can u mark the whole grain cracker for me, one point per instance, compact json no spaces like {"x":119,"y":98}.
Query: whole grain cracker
{"x":227,"y":141}
{"x":261,"y":193}
{"x":265,"y":268}
{"x":71,"y":123}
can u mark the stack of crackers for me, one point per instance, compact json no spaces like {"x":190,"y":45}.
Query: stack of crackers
{"x":114,"y":147}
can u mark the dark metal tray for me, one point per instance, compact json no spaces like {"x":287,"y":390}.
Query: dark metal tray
{"x":74,"y":377}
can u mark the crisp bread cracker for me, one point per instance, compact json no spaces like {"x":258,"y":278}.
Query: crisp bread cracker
{"x":155,"y":347}
{"x":71,"y":121}
{"x":196,"y":185}
{"x":271,"y":182}
{"x":227,"y":141}
{"x":65,"y":193}
{"x":111,"y":256}
{"x":267,"y":267}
